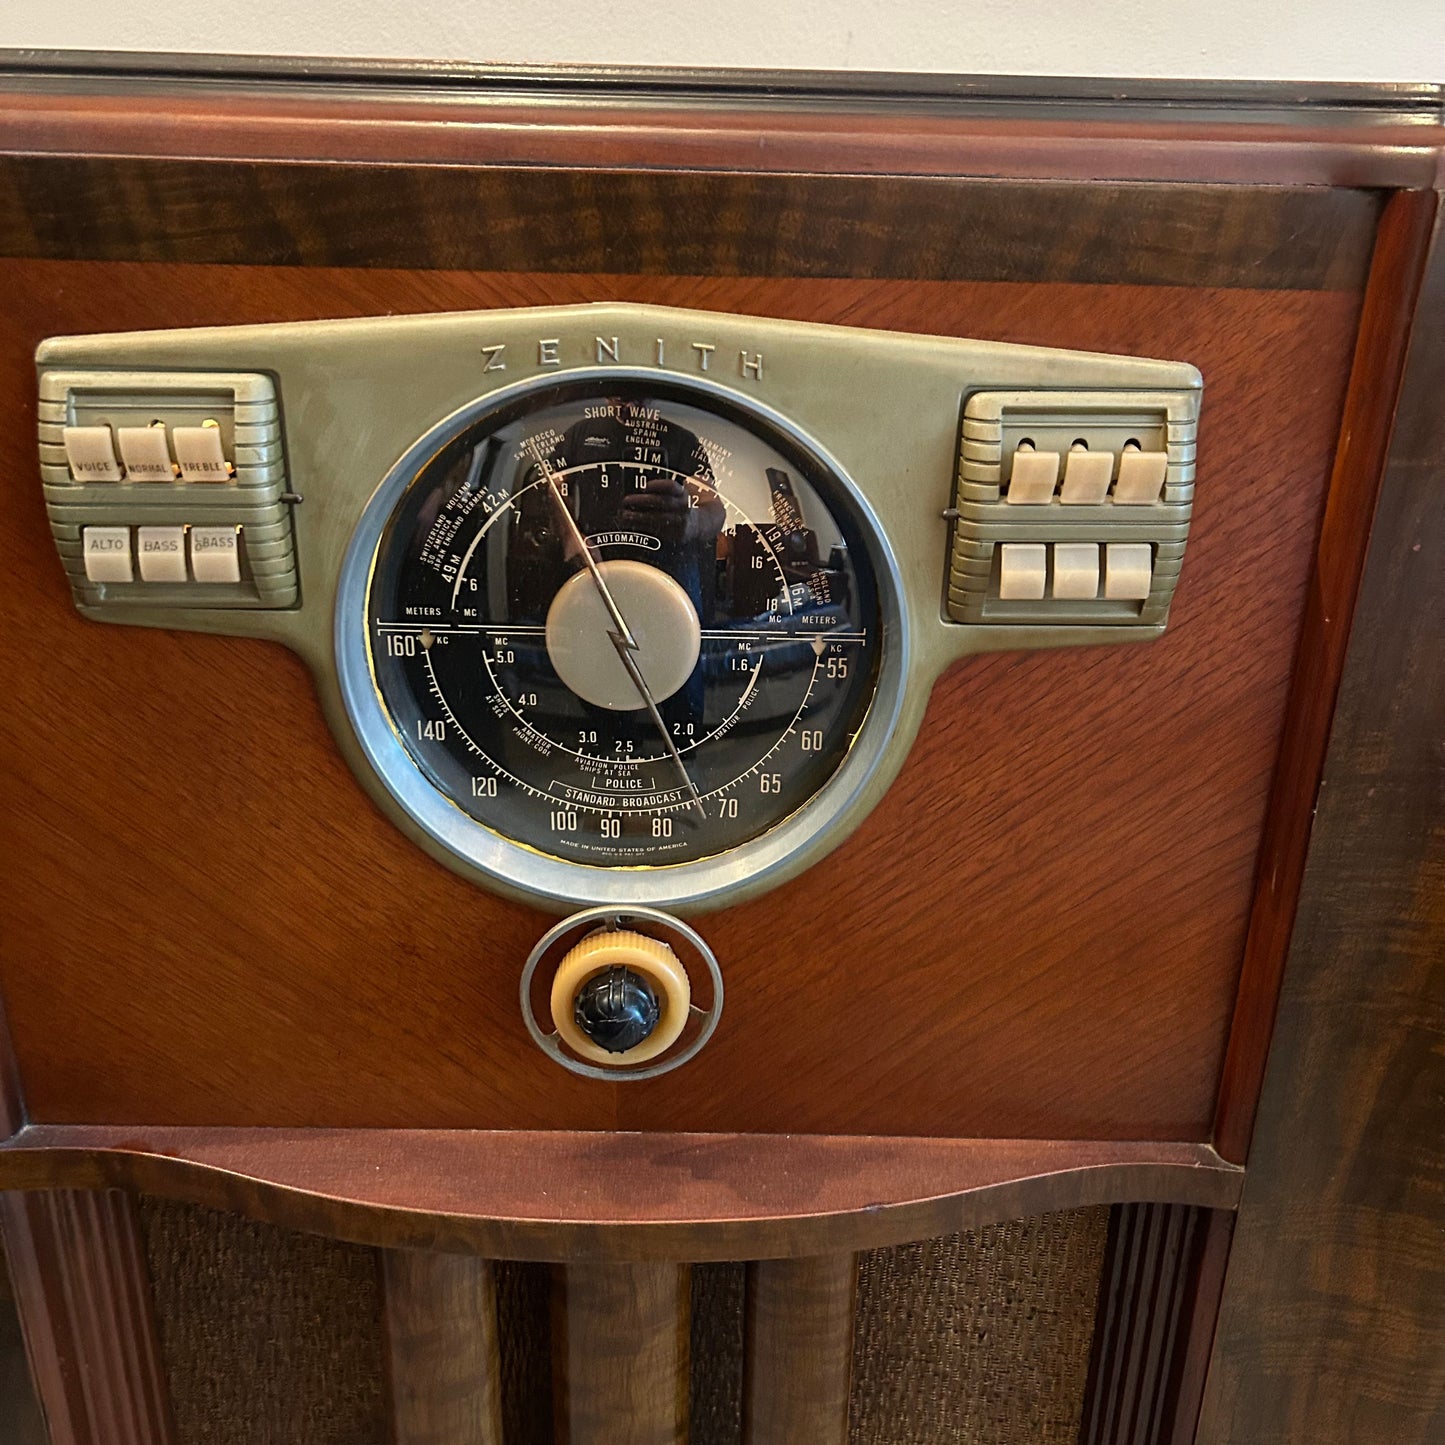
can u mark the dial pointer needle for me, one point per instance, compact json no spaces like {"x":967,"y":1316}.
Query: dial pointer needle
{"x":621,"y":634}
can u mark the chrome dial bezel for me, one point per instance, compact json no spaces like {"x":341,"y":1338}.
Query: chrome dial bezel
{"x":520,"y":871}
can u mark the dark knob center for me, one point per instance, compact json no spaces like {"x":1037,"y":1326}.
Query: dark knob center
{"x":616,"y":1009}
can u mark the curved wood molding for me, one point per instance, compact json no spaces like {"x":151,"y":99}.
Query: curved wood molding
{"x":569,"y":1196}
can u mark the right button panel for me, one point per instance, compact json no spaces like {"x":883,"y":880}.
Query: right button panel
{"x":1095,"y":486}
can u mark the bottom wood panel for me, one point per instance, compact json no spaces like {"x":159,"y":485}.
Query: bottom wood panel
{"x":1070,"y":1326}
{"x":620,"y":1354}
{"x":443,"y":1362}
{"x":799,"y":1349}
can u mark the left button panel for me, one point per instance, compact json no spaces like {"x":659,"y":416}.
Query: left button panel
{"x":152,"y":478}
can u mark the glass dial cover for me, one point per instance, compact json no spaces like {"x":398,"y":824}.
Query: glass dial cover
{"x":625,"y":622}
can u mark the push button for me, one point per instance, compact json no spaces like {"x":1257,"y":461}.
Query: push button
{"x":145,"y":454}
{"x":215,"y":554}
{"x":200,"y":453}
{"x":1128,"y":570}
{"x":107,"y":554}
{"x":1076,"y":570}
{"x":1086,"y":477}
{"x":1021,"y":571}
{"x":1033,"y":477}
{"x":91,"y":454}
{"x":1141,"y":476}
{"x":162,"y":552}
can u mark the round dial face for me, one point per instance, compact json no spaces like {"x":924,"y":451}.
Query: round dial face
{"x":625,"y":623}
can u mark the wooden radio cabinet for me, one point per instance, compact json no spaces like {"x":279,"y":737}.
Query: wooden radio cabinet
{"x":1105,"y":1045}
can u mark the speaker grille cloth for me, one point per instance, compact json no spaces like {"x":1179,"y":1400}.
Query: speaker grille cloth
{"x":275,"y":1338}
{"x":716,"y":1405}
{"x":980,"y":1338}
{"x":524,"y":1344}
{"x":269,"y":1337}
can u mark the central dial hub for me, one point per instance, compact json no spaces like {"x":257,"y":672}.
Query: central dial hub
{"x":662,"y":620}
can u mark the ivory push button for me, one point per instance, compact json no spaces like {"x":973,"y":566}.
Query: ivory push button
{"x":1141,"y":476}
{"x":145,"y":454}
{"x":200,"y":453}
{"x":1033,"y":477}
{"x":91,"y":455}
{"x":215,"y":554}
{"x":1128,"y":570}
{"x":107,"y":554}
{"x":1021,"y":570}
{"x":1076,"y":570}
{"x":1086,"y":477}
{"x":162,"y":553}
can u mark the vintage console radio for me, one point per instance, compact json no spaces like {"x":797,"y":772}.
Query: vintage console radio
{"x":588,"y":852}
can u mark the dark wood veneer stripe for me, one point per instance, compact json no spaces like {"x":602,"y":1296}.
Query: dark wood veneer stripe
{"x":716,"y":223}
{"x":12,"y":1102}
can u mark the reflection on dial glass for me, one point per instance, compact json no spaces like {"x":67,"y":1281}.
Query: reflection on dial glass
{"x":625,"y":624}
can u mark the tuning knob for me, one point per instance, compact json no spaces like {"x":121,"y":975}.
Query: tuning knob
{"x":620,"y":997}
{"x":616,"y":1009}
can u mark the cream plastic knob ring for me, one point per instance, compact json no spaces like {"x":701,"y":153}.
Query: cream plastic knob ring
{"x":644,"y":955}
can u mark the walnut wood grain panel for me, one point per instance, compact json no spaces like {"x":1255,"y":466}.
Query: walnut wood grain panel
{"x":551,"y":1195}
{"x":443,"y":1362}
{"x":233,"y":935}
{"x":620,"y":1353}
{"x":1375,"y":380}
{"x":697,"y":223}
{"x":78,"y":1267}
{"x":799,"y":1349}
{"x":1332,"y":1328}
{"x":760,"y":133}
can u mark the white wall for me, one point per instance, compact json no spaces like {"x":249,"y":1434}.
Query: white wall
{"x":1263,"y":39}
